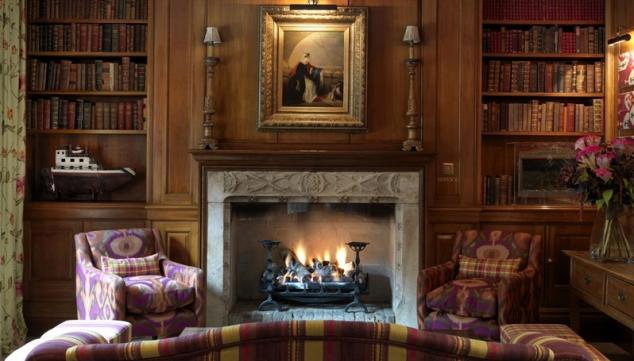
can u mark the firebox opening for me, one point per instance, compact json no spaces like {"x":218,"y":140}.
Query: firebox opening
{"x":313,"y":232}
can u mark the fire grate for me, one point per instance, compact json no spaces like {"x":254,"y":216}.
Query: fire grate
{"x":321,"y":283}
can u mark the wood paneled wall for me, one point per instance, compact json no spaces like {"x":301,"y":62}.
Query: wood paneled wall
{"x":450,"y":98}
{"x":237,"y":77}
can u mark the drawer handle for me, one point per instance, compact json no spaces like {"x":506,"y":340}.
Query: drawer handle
{"x":621,"y":296}
{"x":587,"y":278}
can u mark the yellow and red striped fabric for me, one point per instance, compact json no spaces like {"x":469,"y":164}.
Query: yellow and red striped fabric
{"x":129,"y":267}
{"x":487,"y":267}
{"x":312,"y":341}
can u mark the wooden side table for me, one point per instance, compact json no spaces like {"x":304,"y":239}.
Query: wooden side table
{"x":607,"y":286}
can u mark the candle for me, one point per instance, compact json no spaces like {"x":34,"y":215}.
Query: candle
{"x":411,"y":50}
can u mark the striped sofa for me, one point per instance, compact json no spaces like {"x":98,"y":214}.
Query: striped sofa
{"x":312,"y":340}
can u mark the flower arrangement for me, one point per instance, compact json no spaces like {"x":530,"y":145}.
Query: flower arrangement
{"x":604,"y":176}
{"x":605,"y":171}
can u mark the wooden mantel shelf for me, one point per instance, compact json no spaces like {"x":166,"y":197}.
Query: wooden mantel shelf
{"x":312,"y":159}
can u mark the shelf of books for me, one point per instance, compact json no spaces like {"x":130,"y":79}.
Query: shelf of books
{"x":542,"y":80}
{"x":87,"y":94}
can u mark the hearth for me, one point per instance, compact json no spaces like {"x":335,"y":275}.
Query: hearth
{"x":318,"y":281}
{"x":323,"y":210}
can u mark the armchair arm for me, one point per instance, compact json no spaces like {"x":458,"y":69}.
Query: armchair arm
{"x":518,"y":297}
{"x":192,"y":277}
{"x":428,"y":280}
{"x":109,"y":288}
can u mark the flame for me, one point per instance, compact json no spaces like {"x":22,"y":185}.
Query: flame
{"x":347,"y":268}
{"x":300,"y":252}
{"x":326,"y":256}
{"x":288,"y":260}
{"x":341,"y":255}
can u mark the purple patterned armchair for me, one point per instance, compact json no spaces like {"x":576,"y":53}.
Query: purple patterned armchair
{"x":493,"y":278}
{"x":156,"y":305}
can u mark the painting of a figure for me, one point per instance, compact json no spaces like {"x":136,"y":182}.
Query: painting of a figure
{"x":313,"y":69}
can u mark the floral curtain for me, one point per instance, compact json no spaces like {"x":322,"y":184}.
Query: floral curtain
{"x":12,"y":157}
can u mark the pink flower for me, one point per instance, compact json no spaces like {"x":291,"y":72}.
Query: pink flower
{"x":588,"y":150}
{"x":603,"y":160}
{"x":604,"y":174}
{"x":623,"y":143}
{"x":588,"y":140}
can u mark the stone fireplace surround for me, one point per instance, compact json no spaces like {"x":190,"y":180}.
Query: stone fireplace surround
{"x":370,"y":177}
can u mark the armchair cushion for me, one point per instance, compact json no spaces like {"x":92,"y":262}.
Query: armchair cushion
{"x":494,"y":244}
{"x":475,"y":297}
{"x":156,"y":294}
{"x":483,"y":328}
{"x":487,"y":267}
{"x":121,"y":243}
{"x":127,"y":267}
{"x":563,"y":348}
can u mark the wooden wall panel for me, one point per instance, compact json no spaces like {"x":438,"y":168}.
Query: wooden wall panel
{"x":237,"y":76}
{"x":180,"y":241}
{"x":177,"y":99}
{"x":450,"y":98}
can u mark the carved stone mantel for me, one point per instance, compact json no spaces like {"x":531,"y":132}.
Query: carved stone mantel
{"x":333,"y":176}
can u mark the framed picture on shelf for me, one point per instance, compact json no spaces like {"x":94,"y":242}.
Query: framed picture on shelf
{"x":625,"y":90}
{"x":539,"y":166}
{"x":312,"y":69}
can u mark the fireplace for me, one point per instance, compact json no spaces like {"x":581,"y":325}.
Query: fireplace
{"x":385,"y":209}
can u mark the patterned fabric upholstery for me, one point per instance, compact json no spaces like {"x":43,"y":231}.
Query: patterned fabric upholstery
{"x":490,"y":268}
{"x":537,"y":333}
{"x":476,"y":297}
{"x":156,"y":294}
{"x":53,"y":343}
{"x":483,"y":328}
{"x":517,"y":294}
{"x":121,"y":243}
{"x":312,"y":340}
{"x":102,"y":295}
{"x":127,"y":267}
{"x":493,"y":244}
{"x":162,"y":324}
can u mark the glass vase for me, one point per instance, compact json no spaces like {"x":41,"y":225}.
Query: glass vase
{"x":613,"y":234}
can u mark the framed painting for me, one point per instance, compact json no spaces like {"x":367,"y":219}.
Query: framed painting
{"x":312,"y":69}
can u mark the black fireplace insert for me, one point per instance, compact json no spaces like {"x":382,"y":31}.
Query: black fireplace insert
{"x":317,"y":282}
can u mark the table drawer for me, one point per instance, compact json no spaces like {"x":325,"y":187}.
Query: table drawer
{"x":620,"y":295}
{"x":587,"y":279}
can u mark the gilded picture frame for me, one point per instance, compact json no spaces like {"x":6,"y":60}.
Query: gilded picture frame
{"x":312,"y":69}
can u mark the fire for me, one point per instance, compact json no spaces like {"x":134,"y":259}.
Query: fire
{"x":342,"y":255}
{"x":300,"y":252}
{"x":302,"y":268}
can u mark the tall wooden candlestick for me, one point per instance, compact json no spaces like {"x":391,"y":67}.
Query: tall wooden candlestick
{"x":207,"y":141}
{"x":412,"y":143}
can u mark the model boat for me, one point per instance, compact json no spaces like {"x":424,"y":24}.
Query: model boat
{"x":77,"y":173}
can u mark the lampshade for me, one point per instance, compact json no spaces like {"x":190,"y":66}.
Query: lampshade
{"x":212,"y":37}
{"x":411,"y":34}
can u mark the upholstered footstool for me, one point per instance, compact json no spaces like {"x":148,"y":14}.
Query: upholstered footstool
{"x":70,"y":333}
{"x":559,"y":338}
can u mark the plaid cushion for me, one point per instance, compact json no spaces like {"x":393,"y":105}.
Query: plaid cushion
{"x":487,"y":268}
{"x":127,"y":267}
{"x":522,"y":333}
{"x":563,"y":349}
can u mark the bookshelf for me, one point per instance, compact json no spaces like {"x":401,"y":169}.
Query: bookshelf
{"x":542,"y":86}
{"x":88,"y":81}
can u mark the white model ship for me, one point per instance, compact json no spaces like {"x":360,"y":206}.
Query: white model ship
{"x":76,"y":173}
